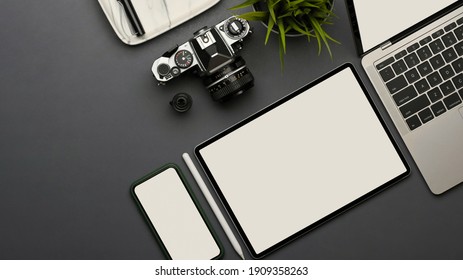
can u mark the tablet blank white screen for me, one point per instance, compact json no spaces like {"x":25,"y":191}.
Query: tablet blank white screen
{"x":302,"y":160}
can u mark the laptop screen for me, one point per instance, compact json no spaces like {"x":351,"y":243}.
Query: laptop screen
{"x":378,"y":20}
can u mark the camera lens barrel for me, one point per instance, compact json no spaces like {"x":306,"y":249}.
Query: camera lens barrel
{"x":231,"y":80}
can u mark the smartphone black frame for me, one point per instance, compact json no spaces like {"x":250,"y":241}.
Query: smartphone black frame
{"x":193,"y":198}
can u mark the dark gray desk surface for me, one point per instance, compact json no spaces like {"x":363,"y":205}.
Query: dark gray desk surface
{"x":81,"y":118}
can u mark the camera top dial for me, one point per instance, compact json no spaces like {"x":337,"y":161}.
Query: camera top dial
{"x":183,"y":59}
{"x":236,"y":28}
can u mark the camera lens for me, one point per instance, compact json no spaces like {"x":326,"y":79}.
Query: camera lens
{"x":181,"y":102}
{"x":231,"y":80}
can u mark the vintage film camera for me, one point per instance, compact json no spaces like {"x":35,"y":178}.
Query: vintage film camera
{"x":211,"y":53}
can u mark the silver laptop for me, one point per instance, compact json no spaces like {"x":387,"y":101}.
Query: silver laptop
{"x":412,"y":51}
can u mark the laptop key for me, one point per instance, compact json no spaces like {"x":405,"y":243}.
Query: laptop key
{"x":385,"y":63}
{"x":387,"y":74}
{"x":405,"y":95}
{"x":458,"y":65}
{"x":436,"y":46}
{"x":412,"y":60}
{"x":438,"y":33}
{"x":424,"y":53}
{"x":450,"y":26}
{"x":452,"y":101}
{"x":422,"y":86}
{"x":459,"y":33}
{"x":449,"y":55}
{"x":447,"y":88}
{"x":435,"y":94}
{"x":425,"y":68}
{"x":458,"y":81}
{"x":413,"y":47}
{"x":397,"y":84}
{"x":449,"y":39}
{"x":413,"y":122}
{"x":437,"y":62}
{"x":400,"y":54}
{"x":459,"y":48}
{"x":414,"y":106}
{"x":447,"y":72}
{"x":461,"y":93}
{"x":460,"y":20}
{"x":426,"y":115}
{"x":438,"y":108}
{"x":412,"y":76}
{"x":399,"y":67}
{"x":425,"y":40}
{"x":434,"y":79}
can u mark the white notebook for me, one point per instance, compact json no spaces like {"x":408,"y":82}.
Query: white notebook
{"x":156,"y":16}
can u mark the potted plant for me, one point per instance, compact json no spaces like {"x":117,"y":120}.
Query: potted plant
{"x":287,"y":17}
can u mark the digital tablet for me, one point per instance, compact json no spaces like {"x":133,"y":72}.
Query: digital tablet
{"x":302,"y":160}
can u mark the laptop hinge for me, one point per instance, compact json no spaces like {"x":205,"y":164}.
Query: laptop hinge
{"x":386,"y":45}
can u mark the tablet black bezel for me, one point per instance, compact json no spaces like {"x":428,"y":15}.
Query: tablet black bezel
{"x":216,"y":187}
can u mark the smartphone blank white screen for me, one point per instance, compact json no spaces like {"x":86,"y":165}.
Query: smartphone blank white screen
{"x":175,"y":217}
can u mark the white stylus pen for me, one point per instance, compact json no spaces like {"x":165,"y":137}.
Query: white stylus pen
{"x":213,"y":204}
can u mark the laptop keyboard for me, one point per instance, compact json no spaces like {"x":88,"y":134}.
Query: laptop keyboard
{"x":425,"y":78}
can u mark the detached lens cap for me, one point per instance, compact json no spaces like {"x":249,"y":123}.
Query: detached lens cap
{"x":181,"y":102}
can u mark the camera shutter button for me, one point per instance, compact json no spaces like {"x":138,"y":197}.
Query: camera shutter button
{"x":175,"y":71}
{"x":163,"y":69}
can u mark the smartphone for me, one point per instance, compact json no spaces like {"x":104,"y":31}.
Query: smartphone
{"x":175,"y":217}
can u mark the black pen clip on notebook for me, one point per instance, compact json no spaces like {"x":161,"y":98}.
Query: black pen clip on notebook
{"x":132,"y":17}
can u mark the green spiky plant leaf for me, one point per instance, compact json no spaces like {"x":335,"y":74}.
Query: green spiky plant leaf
{"x":306,"y":17}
